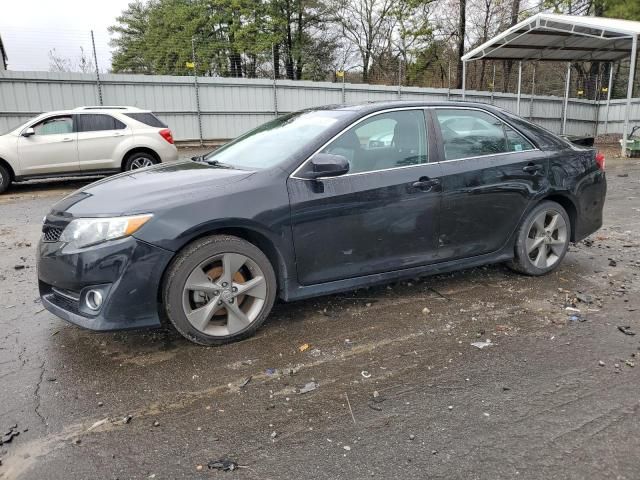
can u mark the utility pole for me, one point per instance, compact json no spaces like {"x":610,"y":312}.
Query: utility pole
{"x":195,"y":83}
{"x":95,"y":60}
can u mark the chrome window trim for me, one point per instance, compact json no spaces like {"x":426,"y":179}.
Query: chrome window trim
{"x":341,"y":132}
{"x":397,"y":109}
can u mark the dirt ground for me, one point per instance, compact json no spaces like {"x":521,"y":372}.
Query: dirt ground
{"x":400,"y":392}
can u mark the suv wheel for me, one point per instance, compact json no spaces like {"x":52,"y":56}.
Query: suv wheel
{"x":543,"y":240}
{"x":5,"y":178}
{"x":218,"y":290}
{"x":139,"y":160}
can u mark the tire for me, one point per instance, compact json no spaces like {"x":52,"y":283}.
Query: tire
{"x":5,"y":178}
{"x":211,"y":300}
{"x":139,"y":160}
{"x":541,"y":250}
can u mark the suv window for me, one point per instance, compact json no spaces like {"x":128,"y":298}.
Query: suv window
{"x":89,"y":122}
{"x":387,"y":140}
{"x":54,"y":125}
{"x":148,"y":119}
{"x":470,"y":133}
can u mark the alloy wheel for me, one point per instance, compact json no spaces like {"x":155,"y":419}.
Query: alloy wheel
{"x":141,"y":163}
{"x":547,"y":239}
{"x":224,"y":294}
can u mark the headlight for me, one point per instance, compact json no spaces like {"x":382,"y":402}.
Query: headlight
{"x":83,"y":232}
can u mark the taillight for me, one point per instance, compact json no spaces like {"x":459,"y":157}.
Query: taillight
{"x":166,"y":134}
{"x":600,"y":160}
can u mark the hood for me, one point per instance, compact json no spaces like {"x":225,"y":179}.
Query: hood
{"x":149,"y":190}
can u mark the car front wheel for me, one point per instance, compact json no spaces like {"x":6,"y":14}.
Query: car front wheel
{"x":543,"y":239}
{"x":218,"y":290}
{"x":5,"y":178}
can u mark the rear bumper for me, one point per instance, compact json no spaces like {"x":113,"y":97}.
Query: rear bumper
{"x":127,"y":272}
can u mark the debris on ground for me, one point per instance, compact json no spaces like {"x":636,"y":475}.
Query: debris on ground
{"x":97,"y":424}
{"x":347,"y":448}
{"x":426,"y":311}
{"x":365,"y":374}
{"x":271,"y":371}
{"x":626,"y":329}
{"x":246,"y":381}
{"x":309,"y":387}
{"x":481,"y":345}
{"x":18,"y":267}
{"x":601,"y":363}
{"x":304,"y":347}
{"x":629,"y":363}
{"x":315,"y":352}
{"x":224,"y":465}
{"x":156,"y":423}
{"x":612,"y":262}
{"x":8,"y":436}
{"x":584,"y":298}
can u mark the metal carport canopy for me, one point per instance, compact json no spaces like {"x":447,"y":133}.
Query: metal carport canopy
{"x":564,"y":38}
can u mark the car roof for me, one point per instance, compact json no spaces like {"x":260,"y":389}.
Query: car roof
{"x":361,"y":109}
{"x":96,"y":109}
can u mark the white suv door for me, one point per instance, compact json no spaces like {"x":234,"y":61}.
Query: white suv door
{"x":100,"y":141}
{"x":52,"y":148}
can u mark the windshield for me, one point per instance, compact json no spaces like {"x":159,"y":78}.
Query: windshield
{"x":275,"y":141}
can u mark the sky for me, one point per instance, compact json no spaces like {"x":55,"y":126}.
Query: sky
{"x":31,"y":28}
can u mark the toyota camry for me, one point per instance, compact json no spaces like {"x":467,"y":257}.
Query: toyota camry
{"x":316,"y":202}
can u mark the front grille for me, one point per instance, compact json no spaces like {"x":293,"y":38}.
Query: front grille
{"x":51,"y":234}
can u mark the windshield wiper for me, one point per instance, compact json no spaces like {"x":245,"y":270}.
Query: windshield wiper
{"x":216,"y":163}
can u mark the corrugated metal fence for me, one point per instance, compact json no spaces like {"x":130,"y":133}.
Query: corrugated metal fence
{"x":228,"y":107}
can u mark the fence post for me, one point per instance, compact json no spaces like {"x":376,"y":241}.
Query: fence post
{"x":493,"y":85}
{"x":95,"y":60}
{"x":449,"y":82}
{"x":344,"y":93}
{"x":275,"y":87}
{"x":195,"y":84}
{"x":399,"y":79}
{"x":606,"y":118}
{"x":519,"y":87}
{"x":533,"y":91}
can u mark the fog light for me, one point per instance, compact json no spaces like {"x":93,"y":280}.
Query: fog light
{"x":93,"y":300}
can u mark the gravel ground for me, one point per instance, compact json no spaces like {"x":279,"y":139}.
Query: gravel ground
{"x":400,"y":391}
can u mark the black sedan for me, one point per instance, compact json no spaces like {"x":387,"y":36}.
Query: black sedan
{"x":316,"y":202}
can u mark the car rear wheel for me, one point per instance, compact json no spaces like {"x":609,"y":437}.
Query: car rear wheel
{"x":543,"y":240}
{"x":139,"y":160}
{"x":5,"y":178}
{"x":218,"y":290}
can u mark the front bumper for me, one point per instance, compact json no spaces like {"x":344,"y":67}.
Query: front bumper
{"x":127,"y":271}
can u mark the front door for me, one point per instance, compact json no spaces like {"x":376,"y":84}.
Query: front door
{"x":53,"y":148}
{"x":382,"y":215}
{"x":490,"y":175}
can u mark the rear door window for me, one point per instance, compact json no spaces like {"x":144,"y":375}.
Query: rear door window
{"x":516,"y":142}
{"x":90,"y":122}
{"x":470,"y":133}
{"x":148,"y":119}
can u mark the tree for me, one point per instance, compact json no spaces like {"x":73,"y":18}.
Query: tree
{"x":462,"y":28}
{"x":82,"y":63}
{"x":368,"y":25}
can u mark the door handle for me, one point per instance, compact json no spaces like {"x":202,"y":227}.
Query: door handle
{"x":532,"y":168}
{"x":67,"y":139}
{"x":426,"y":183}
{"x":118,"y":134}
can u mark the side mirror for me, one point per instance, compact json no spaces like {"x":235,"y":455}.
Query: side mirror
{"x":27,"y":132}
{"x":328,"y":165}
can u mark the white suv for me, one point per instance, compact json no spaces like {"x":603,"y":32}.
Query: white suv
{"x":84,"y":141}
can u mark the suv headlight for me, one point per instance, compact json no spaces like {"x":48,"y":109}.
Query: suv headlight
{"x":83,"y":232}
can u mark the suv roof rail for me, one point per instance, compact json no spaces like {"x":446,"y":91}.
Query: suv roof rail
{"x":107,"y":107}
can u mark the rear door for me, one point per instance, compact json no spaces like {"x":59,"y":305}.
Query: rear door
{"x":490,"y":175}
{"x":100,"y":139}
{"x":52,"y":149}
{"x":382,"y":215}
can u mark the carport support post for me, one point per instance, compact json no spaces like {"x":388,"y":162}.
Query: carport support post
{"x":632,"y":72}
{"x":533,"y":91}
{"x":606,"y":118}
{"x":493,"y":85}
{"x":566,"y":99}
{"x":519,"y":87}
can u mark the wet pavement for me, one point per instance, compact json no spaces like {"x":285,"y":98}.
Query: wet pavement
{"x":399,"y":390}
